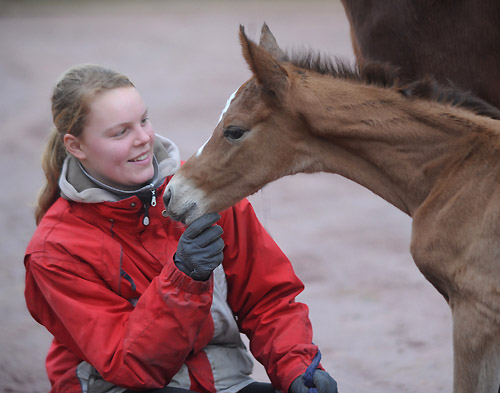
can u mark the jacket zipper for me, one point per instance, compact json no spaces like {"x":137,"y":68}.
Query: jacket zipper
{"x":145,"y":220}
{"x":153,"y":198}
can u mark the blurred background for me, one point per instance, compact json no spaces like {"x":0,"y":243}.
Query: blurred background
{"x":380,"y":325}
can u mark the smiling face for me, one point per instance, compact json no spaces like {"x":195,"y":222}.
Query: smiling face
{"x":116,"y":146}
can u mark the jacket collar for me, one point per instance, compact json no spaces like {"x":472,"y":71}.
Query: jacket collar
{"x":152,"y":185}
{"x":77,"y":186}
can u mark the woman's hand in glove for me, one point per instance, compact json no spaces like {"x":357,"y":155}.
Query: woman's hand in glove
{"x":322,"y":381}
{"x":200,"y":247}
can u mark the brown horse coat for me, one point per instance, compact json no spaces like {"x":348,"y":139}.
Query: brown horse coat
{"x":455,"y":41}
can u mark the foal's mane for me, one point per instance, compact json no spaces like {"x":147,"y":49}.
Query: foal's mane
{"x":387,"y":76}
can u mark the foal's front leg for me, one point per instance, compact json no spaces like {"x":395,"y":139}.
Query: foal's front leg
{"x":476,"y":345}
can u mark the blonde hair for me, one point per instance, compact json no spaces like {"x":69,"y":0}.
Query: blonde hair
{"x":71,"y":99}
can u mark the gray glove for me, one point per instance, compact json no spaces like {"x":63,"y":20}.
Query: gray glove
{"x":200,"y":247}
{"x":323,"y":382}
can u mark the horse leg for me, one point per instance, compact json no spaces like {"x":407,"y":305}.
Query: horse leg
{"x":476,"y":348}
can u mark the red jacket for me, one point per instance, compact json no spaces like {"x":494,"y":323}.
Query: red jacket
{"x":105,"y":286}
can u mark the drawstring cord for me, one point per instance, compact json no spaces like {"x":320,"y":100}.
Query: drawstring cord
{"x":307,"y":378}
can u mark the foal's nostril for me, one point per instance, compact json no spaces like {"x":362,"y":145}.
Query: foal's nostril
{"x":167,"y":196}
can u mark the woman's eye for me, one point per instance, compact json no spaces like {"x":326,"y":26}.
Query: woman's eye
{"x":234,"y":132}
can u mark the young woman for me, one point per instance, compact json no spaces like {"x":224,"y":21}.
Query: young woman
{"x":134,"y":300}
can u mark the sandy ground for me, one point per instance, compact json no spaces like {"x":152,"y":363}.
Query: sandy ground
{"x":380,"y":325}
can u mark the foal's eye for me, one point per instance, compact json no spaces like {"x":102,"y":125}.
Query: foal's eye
{"x":234,"y":132}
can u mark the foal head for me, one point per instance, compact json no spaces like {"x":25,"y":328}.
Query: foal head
{"x":253,"y":144}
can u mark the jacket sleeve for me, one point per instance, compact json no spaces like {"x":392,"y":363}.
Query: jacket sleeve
{"x":262,"y":287}
{"x":133,"y":347}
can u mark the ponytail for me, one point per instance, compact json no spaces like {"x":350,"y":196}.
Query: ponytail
{"x":52,"y":163}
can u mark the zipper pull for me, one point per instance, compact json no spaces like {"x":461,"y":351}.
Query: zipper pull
{"x":153,"y":198}
{"x":145,"y":220}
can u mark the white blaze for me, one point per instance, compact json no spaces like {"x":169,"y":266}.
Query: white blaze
{"x":228,"y":102}
{"x":230,"y":99}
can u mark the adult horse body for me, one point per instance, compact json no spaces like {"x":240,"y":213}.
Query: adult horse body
{"x":457,"y":41}
{"x":435,"y":161}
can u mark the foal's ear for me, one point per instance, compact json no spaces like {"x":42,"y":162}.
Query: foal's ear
{"x":268,"y":42}
{"x":267,"y":69}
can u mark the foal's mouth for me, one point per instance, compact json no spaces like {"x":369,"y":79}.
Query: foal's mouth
{"x":184,"y":215}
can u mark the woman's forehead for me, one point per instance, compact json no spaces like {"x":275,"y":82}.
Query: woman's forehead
{"x":116,"y":106}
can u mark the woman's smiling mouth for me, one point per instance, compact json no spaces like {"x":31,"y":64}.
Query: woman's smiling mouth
{"x":140,"y":158}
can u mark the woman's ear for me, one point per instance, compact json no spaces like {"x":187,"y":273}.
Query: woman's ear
{"x":73,"y":146}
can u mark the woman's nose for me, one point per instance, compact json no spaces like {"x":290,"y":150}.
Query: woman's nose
{"x":143,"y":135}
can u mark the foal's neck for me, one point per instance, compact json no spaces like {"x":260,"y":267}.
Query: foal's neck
{"x":394,"y":146}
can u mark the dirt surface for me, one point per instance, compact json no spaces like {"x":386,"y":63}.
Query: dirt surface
{"x":380,"y":325}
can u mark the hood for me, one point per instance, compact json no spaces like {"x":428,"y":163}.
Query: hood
{"x":76,"y":186}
